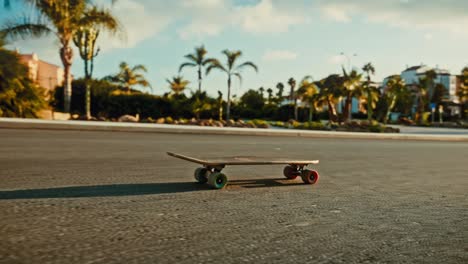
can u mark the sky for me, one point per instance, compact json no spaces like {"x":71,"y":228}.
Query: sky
{"x":283,"y":38}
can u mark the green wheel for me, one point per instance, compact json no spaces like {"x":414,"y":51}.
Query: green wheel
{"x":309,"y":176}
{"x":201,"y":175}
{"x":217,"y":180}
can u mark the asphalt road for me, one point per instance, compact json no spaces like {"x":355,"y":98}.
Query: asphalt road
{"x":115,"y":197}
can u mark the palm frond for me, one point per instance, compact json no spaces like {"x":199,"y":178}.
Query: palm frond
{"x":102,"y":19}
{"x":24,"y":30}
{"x":139,"y":67}
{"x":247,"y":64}
{"x":239,"y":76}
{"x":186,"y":64}
{"x":191,"y":57}
{"x":215,"y":65}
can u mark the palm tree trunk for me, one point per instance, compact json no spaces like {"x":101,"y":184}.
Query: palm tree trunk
{"x":369,"y":106}
{"x":347,"y":108}
{"x":311,"y":111}
{"x":199,"y":79}
{"x":295,"y":109}
{"x":331,"y":111}
{"x":66,"y":55}
{"x":88,"y":99}
{"x":228,"y":108}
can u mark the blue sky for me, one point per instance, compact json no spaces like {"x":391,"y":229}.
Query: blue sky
{"x":284,"y":38}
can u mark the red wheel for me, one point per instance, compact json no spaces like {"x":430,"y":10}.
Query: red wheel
{"x":290,"y":172}
{"x":309,"y":176}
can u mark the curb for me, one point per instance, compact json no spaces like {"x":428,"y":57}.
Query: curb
{"x":17,"y":123}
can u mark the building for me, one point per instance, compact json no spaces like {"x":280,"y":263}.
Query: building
{"x":412,"y":75}
{"x":44,"y":74}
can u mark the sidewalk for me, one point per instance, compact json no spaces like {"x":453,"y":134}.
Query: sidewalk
{"x":17,"y":123}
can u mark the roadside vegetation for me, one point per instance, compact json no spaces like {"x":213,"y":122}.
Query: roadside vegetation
{"x":300,"y":102}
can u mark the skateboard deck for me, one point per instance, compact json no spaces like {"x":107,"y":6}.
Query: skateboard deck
{"x":211,"y":171}
{"x":241,"y":160}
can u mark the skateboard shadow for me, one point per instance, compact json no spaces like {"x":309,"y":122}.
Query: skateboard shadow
{"x":104,"y":190}
{"x":132,"y":189}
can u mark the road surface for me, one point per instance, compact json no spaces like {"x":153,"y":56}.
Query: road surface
{"x":116,"y":197}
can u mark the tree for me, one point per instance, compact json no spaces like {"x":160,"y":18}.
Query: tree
{"x":462,"y":92}
{"x":85,"y":40}
{"x":330,"y":94}
{"x":367,"y":89}
{"x":308,"y":92}
{"x":424,"y":92}
{"x":129,"y":77}
{"x":19,"y":96}
{"x":262,"y":91}
{"x":177,"y":84}
{"x":279,"y":94}
{"x":231,"y":69}
{"x":197,"y":59}
{"x":292,"y":97}
{"x":352,"y":88}
{"x":395,"y":89}
{"x":63,"y":19}
{"x":270,"y":94}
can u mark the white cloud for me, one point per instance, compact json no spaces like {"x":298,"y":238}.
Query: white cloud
{"x":265,"y":17}
{"x":428,"y":36}
{"x":271,"y":55}
{"x":447,"y":15}
{"x":139,"y":23}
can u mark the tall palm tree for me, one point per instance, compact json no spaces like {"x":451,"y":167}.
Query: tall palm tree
{"x":352,"y":88}
{"x":270,"y":94}
{"x":331,"y":92}
{"x":369,"y":70}
{"x":129,"y":77}
{"x":279,"y":94}
{"x":262,"y":91}
{"x":197,"y":59}
{"x":424,"y":91}
{"x":308,"y":92}
{"x":231,"y":68}
{"x":395,"y":90}
{"x":63,"y":19}
{"x":85,"y":40}
{"x":292,"y":97}
{"x":177,"y":84}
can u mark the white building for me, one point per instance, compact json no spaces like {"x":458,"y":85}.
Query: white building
{"x":412,"y":75}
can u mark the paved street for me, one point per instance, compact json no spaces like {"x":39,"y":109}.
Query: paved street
{"x":116,"y":197}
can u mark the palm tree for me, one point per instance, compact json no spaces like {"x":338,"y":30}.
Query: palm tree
{"x":231,"y":69}
{"x":63,"y":19}
{"x":197,"y":59}
{"x":352,"y":88}
{"x":423,"y":92}
{"x":308,"y":92}
{"x":177,"y":84}
{"x":279,"y":94}
{"x":330,"y":94}
{"x":262,"y":91}
{"x":129,"y":77}
{"x":292,"y":97}
{"x":368,"y":90}
{"x":85,"y":40}
{"x":395,"y":90}
{"x":270,"y":94}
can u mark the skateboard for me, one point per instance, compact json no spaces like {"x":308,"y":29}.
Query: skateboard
{"x":211,"y":171}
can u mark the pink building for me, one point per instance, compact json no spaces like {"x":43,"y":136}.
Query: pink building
{"x":45,"y":74}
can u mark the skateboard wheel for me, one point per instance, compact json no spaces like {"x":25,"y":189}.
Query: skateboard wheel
{"x":309,"y":176}
{"x":290,"y":172}
{"x":201,"y":175}
{"x":217,"y":180}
